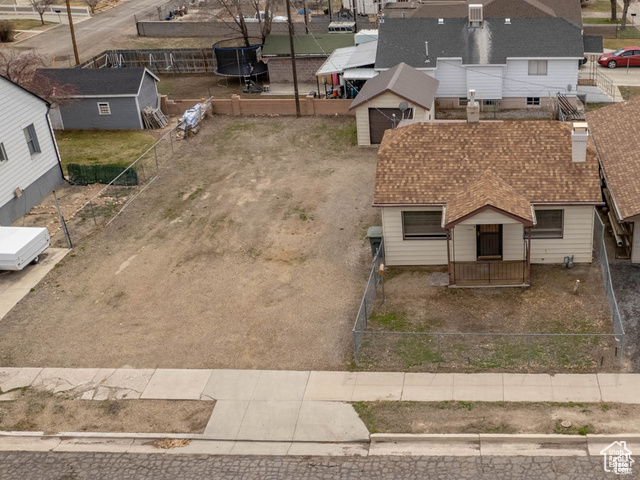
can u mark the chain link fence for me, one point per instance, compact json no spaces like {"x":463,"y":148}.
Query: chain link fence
{"x":404,"y":350}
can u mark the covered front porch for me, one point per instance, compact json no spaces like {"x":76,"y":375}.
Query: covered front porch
{"x":488,"y":232}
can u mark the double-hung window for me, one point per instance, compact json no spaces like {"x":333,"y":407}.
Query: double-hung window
{"x":537,"y":67}
{"x":550,"y":224}
{"x":422,"y":225}
{"x":32,"y":139}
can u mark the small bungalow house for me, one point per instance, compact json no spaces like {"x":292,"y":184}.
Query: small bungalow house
{"x":104,"y":98}
{"x":511,"y":63}
{"x":487,"y":199}
{"x":616,"y":133}
{"x":382,"y":97}
{"x":311,"y":52}
{"x":29,"y":161}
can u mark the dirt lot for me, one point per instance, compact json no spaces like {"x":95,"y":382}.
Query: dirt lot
{"x":499,"y":417}
{"x":45,"y":412}
{"x":548,"y":306}
{"x":248,"y":251}
{"x":203,"y":86}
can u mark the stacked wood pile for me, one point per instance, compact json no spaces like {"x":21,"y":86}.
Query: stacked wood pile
{"x":154,"y":118}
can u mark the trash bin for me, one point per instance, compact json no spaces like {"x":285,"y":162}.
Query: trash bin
{"x":374,"y":234}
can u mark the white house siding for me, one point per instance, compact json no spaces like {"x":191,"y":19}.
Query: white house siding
{"x":577,"y":238}
{"x":513,"y":242}
{"x":452,"y":77}
{"x":464,"y":236}
{"x":386,"y":100}
{"x":18,"y":110}
{"x":485,"y":80}
{"x":560,"y":73}
{"x":464,"y":243}
{"x":409,"y":252}
{"x":488,"y":217}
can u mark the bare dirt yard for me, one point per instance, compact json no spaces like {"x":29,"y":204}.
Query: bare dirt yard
{"x":415,"y":303}
{"x":248,"y":251}
{"x":499,"y":417}
{"x":41,"y":411}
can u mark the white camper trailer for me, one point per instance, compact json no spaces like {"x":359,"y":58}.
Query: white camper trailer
{"x":20,"y":246}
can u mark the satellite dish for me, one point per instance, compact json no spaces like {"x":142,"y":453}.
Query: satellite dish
{"x":403,"y":106}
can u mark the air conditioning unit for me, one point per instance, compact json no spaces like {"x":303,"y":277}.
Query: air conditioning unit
{"x":475,"y":15}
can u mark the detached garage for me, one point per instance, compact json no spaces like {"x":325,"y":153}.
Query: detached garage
{"x":402,"y":91}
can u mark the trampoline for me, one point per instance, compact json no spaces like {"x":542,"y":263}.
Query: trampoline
{"x":239,"y":61}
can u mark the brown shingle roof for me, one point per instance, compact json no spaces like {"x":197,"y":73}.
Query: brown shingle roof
{"x":616,"y":131}
{"x":489,"y":190}
{"x":430,"y":163}
{"x":405,"y":81}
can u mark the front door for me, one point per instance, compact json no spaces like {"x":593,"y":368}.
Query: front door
{"x":489,"y":242}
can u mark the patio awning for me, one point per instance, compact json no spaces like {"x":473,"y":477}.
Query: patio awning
{"x":488,"y":192}
{"x":349,"y":57}
{"x":359,"y":73}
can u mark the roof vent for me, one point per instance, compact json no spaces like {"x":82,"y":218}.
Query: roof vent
{"x":507,"y":21}
{"x":441,"y":21}
{"x":475,"y":15}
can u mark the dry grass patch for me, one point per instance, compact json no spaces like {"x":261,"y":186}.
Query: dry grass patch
{"x":499,"y":417}
{"x":34,"y":410}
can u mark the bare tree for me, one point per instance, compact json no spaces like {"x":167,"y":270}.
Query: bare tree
{"x":21,"y":68}
{"x":614,"y":11}
{"x":40,"y":6}
{"x":625,"y":9}
{"x":254,"y":8}
{"x":92,"y":5}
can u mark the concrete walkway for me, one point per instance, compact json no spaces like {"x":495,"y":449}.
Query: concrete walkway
{"x":293,"y":406}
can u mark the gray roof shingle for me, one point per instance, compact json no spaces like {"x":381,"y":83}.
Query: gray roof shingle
{"x":403,"y":40}
{"x":97,"y":81}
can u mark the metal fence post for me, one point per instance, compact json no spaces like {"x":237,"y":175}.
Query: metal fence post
{"x":355,"y":348}
{"x":155,"y":153}
{"x":93,"y":213}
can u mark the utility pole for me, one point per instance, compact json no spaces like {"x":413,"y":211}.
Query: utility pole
{"x":330,"y":12}
{"x":306,"y":17}
{"x":355,"y":16}
{"x":293,"y":58}
{"x":73,"y":34}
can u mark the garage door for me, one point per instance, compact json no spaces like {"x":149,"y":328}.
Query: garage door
{"x":381,"y":119}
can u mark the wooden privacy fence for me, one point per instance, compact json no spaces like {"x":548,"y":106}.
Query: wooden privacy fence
{"x":284,"y":106}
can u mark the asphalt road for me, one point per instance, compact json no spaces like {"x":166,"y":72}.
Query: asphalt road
{"x":95,"y":466}
{"x":93,"y":36}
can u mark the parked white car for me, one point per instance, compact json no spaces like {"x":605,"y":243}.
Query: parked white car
{"x":254,"y":18}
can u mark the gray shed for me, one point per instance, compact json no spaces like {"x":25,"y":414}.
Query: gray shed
{"x":103,"y":98}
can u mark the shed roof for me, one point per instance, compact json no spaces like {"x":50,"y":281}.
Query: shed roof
{"x":403,"y":40}
{"x":323,"y":44}
{"x":349,"y":57}
{"x":402,"y":80}
{"x":616,"y":132}
{"x":432,"y":163}
{"x":94,"y":82}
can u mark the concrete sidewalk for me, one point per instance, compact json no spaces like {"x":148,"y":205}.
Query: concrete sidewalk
{"x":285,"y":385}
{"x":290,"y":407}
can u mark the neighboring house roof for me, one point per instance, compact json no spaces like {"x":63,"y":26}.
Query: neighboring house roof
{"x":403,"y":40}
{"x":323,"y":44}
{"x":616,"y":132}
{"x":566,"y":9}
{"x":99,"y":82}
{"x":488,"y":191}
{"x":434,"y":163}
{"x":402,"y":80}
{"x":24,"y":89}
{"x":593,"y":44}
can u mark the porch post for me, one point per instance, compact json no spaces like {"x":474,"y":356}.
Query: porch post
{"x":527,"y":272}
{"x":449,"y":258}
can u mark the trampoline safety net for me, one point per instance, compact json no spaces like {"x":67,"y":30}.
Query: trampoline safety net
{"x":239,"y":61}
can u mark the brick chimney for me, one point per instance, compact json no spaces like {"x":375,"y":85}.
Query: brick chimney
{"x":579,"y":138}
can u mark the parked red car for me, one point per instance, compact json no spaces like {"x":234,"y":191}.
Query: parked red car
{"x":621,"y":58}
